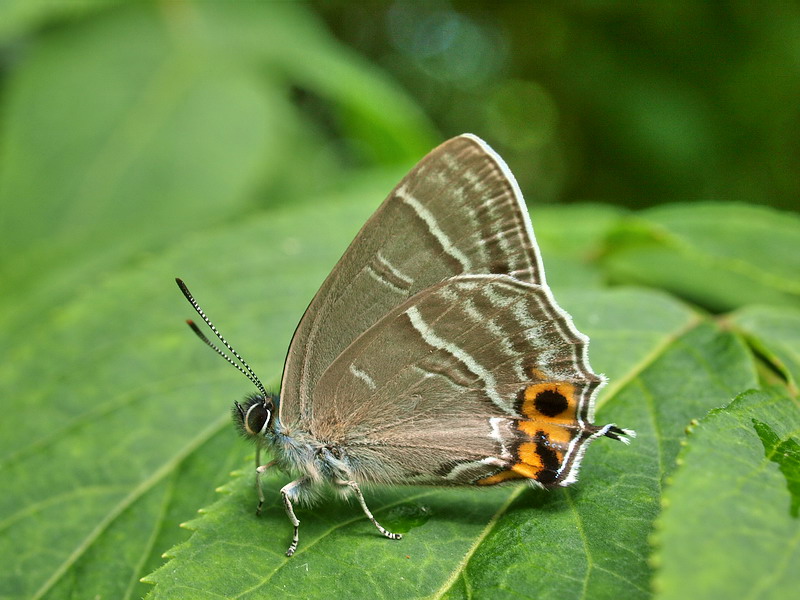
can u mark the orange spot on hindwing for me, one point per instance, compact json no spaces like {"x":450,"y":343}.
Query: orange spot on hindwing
{"x":549,"y":401}
{"x":549,"y":423}
{"x":500,"y":477}
{"x":529,"y":464}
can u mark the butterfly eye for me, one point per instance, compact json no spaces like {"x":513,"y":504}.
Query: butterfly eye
{"x":253,"y":417}
{"x":257,"y":418}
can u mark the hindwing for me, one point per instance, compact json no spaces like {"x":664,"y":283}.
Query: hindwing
{"x":479,"y":379}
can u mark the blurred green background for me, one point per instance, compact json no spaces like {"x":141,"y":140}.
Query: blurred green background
{"x":633,"y":103}
{"x":241,"y":145}
{"x":225,"y":107}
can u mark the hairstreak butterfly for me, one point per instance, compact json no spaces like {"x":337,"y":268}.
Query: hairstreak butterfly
{"x":433,"y":354}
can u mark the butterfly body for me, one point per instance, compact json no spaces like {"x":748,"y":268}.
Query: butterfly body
{"x":434,"y":353}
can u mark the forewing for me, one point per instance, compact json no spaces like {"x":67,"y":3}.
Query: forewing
{"x":476,"y":380}
{"x":458,"y":211}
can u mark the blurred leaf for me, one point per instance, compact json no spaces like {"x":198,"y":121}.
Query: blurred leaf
{"x":156,"y":119}
{"x":125,"y":131}
{"x":373,"y":110}
{"x":721,"y":256}
{"x":572,"y":238}
{"x":775,"y":332}
{"x":133,"y":138}
{"x":730,"y":524}
{"x":18,"y":17}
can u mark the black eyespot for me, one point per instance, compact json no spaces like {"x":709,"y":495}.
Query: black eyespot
{"x":551,"y":403}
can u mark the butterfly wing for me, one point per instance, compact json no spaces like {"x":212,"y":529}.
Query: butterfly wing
{"x":478,"y":379}
{"x":458,"y":211}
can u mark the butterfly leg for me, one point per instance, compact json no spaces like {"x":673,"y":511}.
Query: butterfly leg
{"x":354,"y":486}
{"x":260,"y":470}
{"x":287,"y":492}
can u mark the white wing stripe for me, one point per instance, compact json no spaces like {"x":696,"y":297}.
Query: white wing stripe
{"x":363,"y":375}
{"x":393,"y":269}
{"x":490,"y":385}
{"x":430,"y":220}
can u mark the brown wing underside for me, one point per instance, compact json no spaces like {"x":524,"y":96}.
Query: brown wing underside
{"x":477,"y":380}
{"x":458,"y":211}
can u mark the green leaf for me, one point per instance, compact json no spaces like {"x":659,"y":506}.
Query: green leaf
{"x":125,"y":131}
{"x":572,"y":238}
{"x":508,"y":540}
{"x":591,"y":540}
{"x":721,"y":256}
{"x":127,"y":437}
{"x":118,"y":145}
{"x":775,"y":332}
{"x":97,"y":435}
{"x":730,"y":525}
{"x":388,"y":125}
{"x":785,"y":454}
{"x":18,"y":17}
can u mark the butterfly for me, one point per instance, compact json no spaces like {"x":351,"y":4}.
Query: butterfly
{"x":433,"y":354}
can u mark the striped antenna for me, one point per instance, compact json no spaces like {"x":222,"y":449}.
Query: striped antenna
{"x":247,"y":371}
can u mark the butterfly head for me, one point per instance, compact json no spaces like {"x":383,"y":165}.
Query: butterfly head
{"x":253,"y":417}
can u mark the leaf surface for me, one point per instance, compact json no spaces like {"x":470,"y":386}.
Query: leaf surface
{"x":508,"y":542}
{"x":775,"y":332}
{"x":730,"y":526}
{"x":721,"y":256}
{"x":99,"y":432}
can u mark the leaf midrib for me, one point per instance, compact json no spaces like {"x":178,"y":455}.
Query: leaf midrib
{"x":462,"y":565}
{"x":146,"y":484}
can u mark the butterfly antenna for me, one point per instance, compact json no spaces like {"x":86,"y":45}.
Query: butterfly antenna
{"x":247,"y":371}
